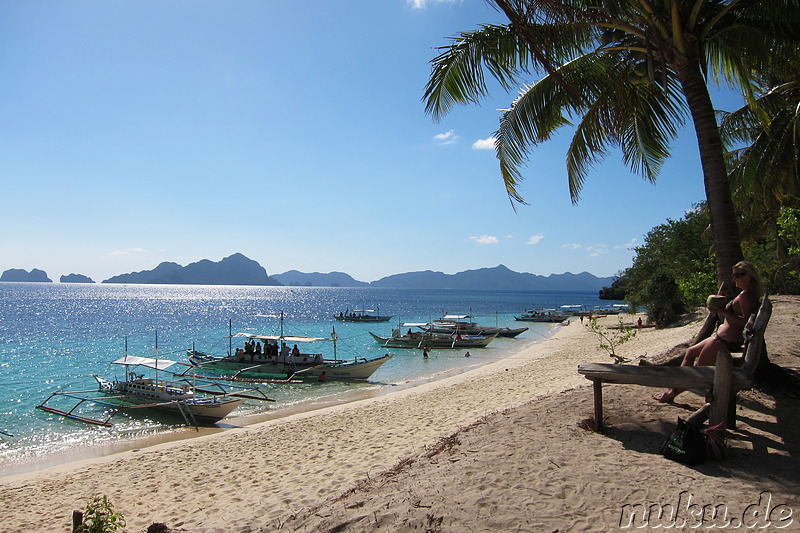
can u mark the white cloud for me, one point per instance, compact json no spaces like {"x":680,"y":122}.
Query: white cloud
{"x":448,"y":137}
{"x":484,"y":144}
{"x":597,"y":249}
{"x":535,"y":239}
{"x":485,"y":239}
{"x":627,"y":246}
{"x":572,"y":246}
{"x":422,"y":4}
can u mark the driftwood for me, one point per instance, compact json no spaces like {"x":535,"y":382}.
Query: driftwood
{"x":723,"y":379}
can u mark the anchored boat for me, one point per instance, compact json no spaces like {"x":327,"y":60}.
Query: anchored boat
{"x":455,"y":324}
{"x":424,"y":339}
{"x":195,"y":403}
{"x":270,"y":355}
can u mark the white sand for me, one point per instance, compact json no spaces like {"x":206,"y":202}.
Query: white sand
{"x":522,"y":464}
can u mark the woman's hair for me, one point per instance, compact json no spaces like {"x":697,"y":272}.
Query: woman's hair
{"x":756,"y":284}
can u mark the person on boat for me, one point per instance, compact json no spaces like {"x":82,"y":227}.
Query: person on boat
{"x":729,"y":334}
{"x":284,"y":351}
{"x":295,"y":351}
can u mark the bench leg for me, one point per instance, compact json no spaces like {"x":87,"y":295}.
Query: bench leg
{"x":732,"y":411}
{"x":598,"y":404}
{"x":722,"y":388}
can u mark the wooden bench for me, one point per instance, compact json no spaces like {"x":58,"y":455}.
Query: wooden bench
{"x":723,"y":380}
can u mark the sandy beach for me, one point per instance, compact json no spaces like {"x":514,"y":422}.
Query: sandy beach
{"x":501,"y":448}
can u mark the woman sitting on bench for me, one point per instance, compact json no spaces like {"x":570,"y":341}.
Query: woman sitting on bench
{"x":729,"y":334}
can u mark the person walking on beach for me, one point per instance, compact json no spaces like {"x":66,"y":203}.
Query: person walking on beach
{"x":425,"y":352}
{"x":729,"y":334}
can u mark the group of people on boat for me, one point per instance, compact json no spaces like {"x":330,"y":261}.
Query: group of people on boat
{"x":253,"y":349}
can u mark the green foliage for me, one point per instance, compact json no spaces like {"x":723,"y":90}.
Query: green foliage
{"x":662,"y":298}
{"x":676,"y":253}
{"x":611,"y":339}
{"x":699,"y":283}
{"x":101,"y":517}
{"x":789,"y":230}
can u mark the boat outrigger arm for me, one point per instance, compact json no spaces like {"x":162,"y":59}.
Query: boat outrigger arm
{"x":212,"y":389}
{"x":116,"y":408}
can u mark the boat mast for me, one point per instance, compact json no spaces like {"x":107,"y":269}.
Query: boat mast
{"x":230,"y":337}
{"x":156,"y":355}
{"x":334,"y":338}
{"x":127,"y":368}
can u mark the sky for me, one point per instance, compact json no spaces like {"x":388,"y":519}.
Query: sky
{"x":134,"y":132}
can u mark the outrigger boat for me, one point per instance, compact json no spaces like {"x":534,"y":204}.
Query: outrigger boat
{"x":542,"y":315}
{"x":361,"y":315}
{"x":424,"y":339}
{"x":454,"y":324}
{"x":196,"y":404}
{"x":269,"y":355}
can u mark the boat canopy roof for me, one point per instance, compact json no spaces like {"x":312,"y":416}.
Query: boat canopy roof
{"x":149,"y":362}
{"x":279,"y":338}
{"x":414,"y":324}
{"x":455,"y":317}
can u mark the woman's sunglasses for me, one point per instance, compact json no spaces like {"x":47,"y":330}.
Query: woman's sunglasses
{"x":737,"y":275}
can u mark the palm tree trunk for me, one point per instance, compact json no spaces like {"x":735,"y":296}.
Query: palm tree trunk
{"x":718,"y":194}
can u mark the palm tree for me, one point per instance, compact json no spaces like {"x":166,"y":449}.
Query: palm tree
{"x":766,"y":170}
{"x":630,"y":71}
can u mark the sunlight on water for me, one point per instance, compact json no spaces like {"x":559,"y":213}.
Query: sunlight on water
{"x":55,"y":336}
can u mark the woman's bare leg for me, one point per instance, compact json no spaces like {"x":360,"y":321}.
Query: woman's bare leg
{"x":693,"y":357}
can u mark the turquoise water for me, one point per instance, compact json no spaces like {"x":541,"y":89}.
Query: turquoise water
{"x":54,"y":336}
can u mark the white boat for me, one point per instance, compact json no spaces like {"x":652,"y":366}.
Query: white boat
{"x":542,"y":315}
{"x":361,"y":315}
{"x":455,"y":324}
{"x":270,"y":355}
{"x":424,"y":339}
{"x":194,"y":403}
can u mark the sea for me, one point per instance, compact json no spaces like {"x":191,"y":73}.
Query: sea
{"x":53,"y":337}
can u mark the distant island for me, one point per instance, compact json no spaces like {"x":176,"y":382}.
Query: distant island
{"x":233,"y":270}
{"x":238,"y":269}
{"x":76,"y":278}
{"x":18,"y":274}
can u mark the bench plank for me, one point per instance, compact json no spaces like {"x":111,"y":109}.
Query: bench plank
{"x":725,"y":380}
{"x":679,"y":377}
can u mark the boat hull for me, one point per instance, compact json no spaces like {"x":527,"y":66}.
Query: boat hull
{"x":362,"y":318}
{"x":167,"y":397}
{"x":500,"y":332}
{"x":428,"y":340}
{"x":542,"y":318}
{"x":302,"y":367}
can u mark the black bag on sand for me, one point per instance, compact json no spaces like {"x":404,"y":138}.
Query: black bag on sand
{"x":686,"y":444}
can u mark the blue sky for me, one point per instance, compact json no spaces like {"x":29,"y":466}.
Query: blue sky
{"x":139,"y":131}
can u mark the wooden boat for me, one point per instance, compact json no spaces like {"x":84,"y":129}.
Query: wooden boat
{"x":361,"y":315}
{"x":424,"y":339}
{"x":455,"y":324}
{"x":269,"y":355}
{"x":542,"y":315}
{"x":195,"y":404}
